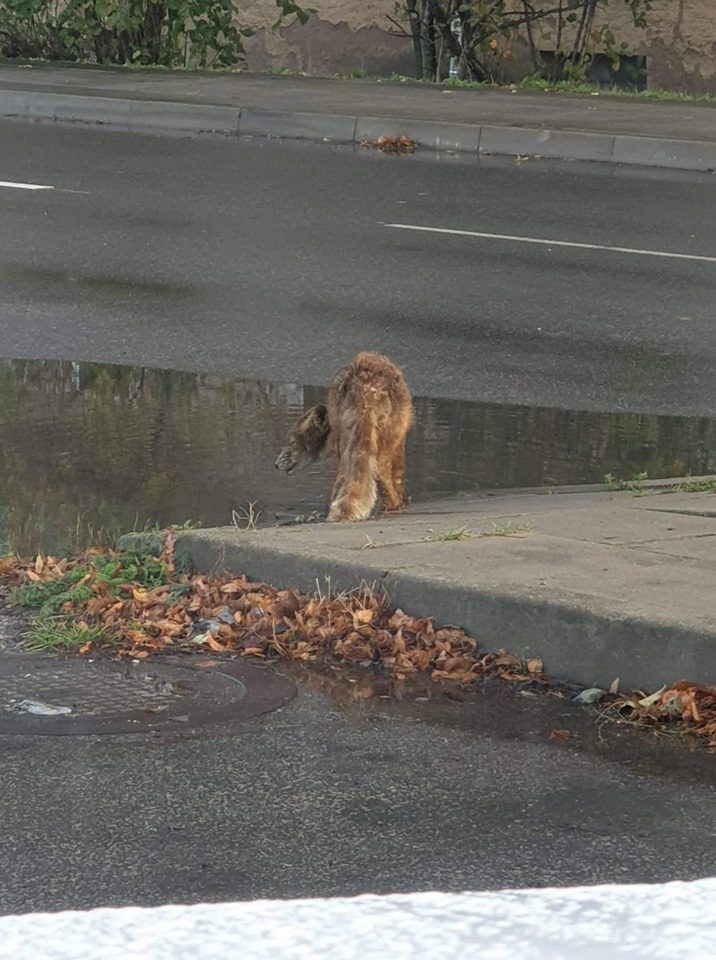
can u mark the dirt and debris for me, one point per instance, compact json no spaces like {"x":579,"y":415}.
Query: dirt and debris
{"x":400,"y":144}
{"x":39,"y":708}
{"x":684,"y":706}
{"x":590,"y":695}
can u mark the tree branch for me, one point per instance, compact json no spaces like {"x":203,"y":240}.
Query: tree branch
{"x":396,"y":23}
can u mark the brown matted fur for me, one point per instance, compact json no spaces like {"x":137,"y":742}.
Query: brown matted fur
{"x":364,"y":425}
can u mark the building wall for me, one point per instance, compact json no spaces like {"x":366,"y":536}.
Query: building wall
{"x":340,"y":36}
{"x":680,"y":42}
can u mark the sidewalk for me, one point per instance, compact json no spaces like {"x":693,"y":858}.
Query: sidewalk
{"x":653,"y":133}
{"x":598,"y":585}
{"x":654,"y":920}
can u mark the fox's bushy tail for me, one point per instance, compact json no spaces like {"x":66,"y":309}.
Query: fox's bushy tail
{"x":357,"y":489}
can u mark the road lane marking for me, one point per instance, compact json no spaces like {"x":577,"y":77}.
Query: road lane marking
{"x":25,"y":186}
{"x":551,"y":243}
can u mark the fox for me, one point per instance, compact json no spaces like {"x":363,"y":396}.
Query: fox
{"x":364,"y":425}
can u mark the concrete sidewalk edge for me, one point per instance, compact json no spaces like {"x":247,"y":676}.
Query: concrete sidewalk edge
{"x":646,"y":920}
{"x":576,"y":645}
{"x":471,"y":139}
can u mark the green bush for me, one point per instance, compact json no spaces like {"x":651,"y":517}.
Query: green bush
{"x":170,"y":33}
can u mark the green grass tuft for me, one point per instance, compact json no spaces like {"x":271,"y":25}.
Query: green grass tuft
{"x":459,"y":533}
{"x":577,"y":87}
{"x":58,"y":633}
{"x":50,"y":595}
{"x":111,"y":573}
{"x":694,"y":486}
{"x":634,"y":486}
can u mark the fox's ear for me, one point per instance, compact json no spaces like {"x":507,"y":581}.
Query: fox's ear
{"x":320,"y":415}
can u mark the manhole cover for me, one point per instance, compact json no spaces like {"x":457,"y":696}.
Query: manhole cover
{"x":47,"y":695}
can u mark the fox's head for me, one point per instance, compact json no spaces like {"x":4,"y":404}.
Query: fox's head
{"x":307,"y":441}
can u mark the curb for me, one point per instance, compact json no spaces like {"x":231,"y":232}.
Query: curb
{"x":477,"y":140}
{"x":119,"y":114}
{"x":661,"y":486}
{"x":576,"y":644}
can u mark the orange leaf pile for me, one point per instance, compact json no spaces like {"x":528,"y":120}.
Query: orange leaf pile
{"x":400,"y":144}
{"x":222,"y":613}
{"x":687,"y":703}
{"x":226,"y":614}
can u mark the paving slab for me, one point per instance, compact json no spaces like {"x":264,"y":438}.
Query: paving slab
{"x":599,"y":585}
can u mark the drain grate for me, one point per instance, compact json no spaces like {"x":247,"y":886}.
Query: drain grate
{"x":130,"y":697}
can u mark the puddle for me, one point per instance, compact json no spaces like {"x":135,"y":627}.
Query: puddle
{"x":501,"y":711}
{"x":93,"y":450}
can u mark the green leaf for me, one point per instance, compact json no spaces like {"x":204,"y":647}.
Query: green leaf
{"x":118,"y":31}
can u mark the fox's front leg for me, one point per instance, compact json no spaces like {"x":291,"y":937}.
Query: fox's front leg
{"x":337,"y":492}
{"x":354,"y":492}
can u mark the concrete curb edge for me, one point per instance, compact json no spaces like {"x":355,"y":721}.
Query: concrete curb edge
{"x":471,"y":139}
{"x":577,"y":645}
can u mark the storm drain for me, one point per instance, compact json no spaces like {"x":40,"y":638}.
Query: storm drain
{"x":74,"y":696}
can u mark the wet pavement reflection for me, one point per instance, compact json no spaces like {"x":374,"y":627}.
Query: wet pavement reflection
{"x":92,"y":450}
{"x":497,"y":710}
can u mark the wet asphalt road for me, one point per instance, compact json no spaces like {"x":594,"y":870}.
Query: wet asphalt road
{"x":269,"y":261}
{"x":272,"y":261}
{"x":336,"y":795}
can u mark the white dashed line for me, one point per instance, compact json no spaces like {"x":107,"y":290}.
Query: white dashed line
{"x":551,"y":243}
{"x":25,"y":186}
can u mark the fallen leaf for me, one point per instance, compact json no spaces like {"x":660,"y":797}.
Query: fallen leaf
{"x":214,"y":644}
{"x":560,"y":735}
{"x":651,"y":699}
{"x":287,"y":603}
{"x":457,"y":664}
{"x":460,"y":676}
{"x":362,"y":616}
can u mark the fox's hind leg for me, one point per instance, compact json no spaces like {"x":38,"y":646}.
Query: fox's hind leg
{"x":398,"y":472}
{"x":389,"y":492}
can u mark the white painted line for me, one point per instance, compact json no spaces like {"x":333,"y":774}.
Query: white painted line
{"x":25,"y":186}
{"x":551,"y":243}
